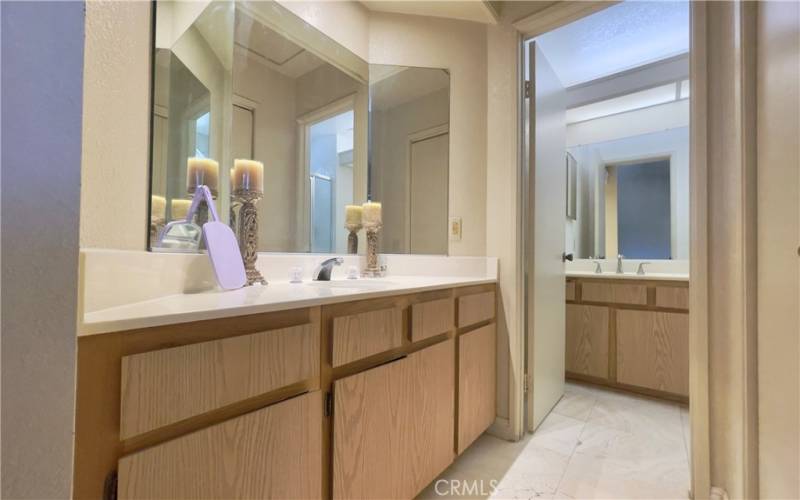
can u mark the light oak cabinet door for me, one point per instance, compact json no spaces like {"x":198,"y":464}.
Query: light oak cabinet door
{"x":393,"y":425}
{"x":275,"y":452}
{"x":653,"y":350}
{"x":587,"y":340}
{"x":477,"y":377}
{"x":358,"y":336}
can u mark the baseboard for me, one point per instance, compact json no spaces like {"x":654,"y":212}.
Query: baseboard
{"x":501,"y":428}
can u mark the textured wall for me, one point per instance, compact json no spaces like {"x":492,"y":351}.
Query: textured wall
{"x":116,"y":122}
{"x":42,"y":53}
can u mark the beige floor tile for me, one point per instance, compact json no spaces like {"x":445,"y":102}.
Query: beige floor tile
{"x":575,"y":404}
{"x":559,"y":433}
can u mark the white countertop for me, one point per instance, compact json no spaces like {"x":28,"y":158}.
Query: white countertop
{"x":276,"y":296}
{"x":629,"y":276}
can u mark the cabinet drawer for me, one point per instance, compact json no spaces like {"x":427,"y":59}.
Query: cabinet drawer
{"x":475,"y":308}
{"x":673,"y":297}
{"x":614,"y":293}
{"x":169,"y":385}
{"x":477,"y":378}
{"x":358,"y":336}
{"x":431,"y":318}
{"x":275,"y":452}
{"x":587,"y":340}
{"x":570,"y":291}
{"x":653,"y":350}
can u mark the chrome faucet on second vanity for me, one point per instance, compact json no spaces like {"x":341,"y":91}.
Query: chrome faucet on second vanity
{"x":323,"y":271}
{"x":619,"y":263}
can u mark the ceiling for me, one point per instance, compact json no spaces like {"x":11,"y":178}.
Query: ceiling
{"x":480,"y":11}
{"x":391,"y":86}
{"x":616,"y":39}
{"x":272,"y":48}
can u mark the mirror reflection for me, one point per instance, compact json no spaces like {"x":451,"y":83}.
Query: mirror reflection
{"x":631,"y":197}
{"x":409,"y":156}
{"x":276,"y":118}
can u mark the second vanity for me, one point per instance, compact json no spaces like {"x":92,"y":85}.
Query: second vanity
{"x":371,"y":394}
{"x":629,"y":331}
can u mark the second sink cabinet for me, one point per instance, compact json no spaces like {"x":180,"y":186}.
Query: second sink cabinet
{"x":629,"y":334}
{"x":363,"y":399}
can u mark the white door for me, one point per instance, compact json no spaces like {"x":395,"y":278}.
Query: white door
{"x":546,"y":220}
{"x":428,"y":208}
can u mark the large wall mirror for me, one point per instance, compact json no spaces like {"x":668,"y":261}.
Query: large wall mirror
{"x":409,"y":156}
{"x":241,"y":80}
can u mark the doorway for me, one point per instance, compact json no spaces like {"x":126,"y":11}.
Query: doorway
{"x":606,"y":172}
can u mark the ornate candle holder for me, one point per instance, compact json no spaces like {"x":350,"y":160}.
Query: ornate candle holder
{"x":372,"y":270}
{"x":156,"y":225}
{"x":247,"y":233}
{"x":352,"y":238}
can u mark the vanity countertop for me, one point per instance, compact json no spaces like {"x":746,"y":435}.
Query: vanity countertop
{"x":276,"y":296}
{"x":629,"y":276}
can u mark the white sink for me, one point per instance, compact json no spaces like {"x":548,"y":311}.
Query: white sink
{"x":358,"y":284}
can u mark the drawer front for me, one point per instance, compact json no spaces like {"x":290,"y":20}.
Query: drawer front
{"x":614,"y":293}
{"x":275,"y":452}
{"x":653,"y":350}
{"x":673,"y":297}
{"x":166,"y":386}
{"x":477,"y":376}
{"x":570,"y":291}
{"x":475,"y":308}
{"x":358,"y":336}
{"x":431,"y":318}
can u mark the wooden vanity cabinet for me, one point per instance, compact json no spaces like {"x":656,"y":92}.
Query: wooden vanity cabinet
{"x":274,"y":452}
{"x":629,"y":334}
{"x":393,"y":425}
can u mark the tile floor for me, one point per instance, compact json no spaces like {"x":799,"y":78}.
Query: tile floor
{"x":595,"y":444}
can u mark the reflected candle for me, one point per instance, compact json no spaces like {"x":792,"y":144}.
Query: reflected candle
{"x":202,"y":171}
{"x":158,"y":206}
{"x":179,"y":208}
{"x":248,"y":175}
{"x":352,"y":215}
{"x":371,"y":213}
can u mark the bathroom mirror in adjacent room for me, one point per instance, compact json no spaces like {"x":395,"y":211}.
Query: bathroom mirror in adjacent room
{"x":409,"y":156}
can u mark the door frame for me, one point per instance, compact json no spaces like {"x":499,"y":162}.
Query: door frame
{"x":304,"y":123}
{"x":551,"y":18}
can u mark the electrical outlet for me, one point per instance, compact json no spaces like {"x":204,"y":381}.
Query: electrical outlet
{"x":455,"y":228}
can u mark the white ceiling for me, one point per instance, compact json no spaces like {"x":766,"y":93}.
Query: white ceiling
{"x":619,"y":38}
{"x":466,"y":10}
{"x":392,"y":86}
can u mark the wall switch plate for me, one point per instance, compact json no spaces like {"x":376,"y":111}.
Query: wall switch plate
{"x":455,"y":228}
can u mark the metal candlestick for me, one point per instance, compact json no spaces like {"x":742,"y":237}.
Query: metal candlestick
{"x":372,"y":270}
{"x":352,"y":238}
{"x":247,"y":233}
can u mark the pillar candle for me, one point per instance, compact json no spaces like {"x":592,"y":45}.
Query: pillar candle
{"x":179,"y":208}
{"x":248,"y":175}
{"x":202,"y":171}
{"x":352,"y":215}
{"x":158,"y":206}
{"x":371,"y":214}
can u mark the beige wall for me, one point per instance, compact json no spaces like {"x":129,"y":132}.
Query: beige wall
{"x":778,"y":100}
{"x":116,"y":117}
{"x":502,"y":217}
{"x":347,"y":22}
{"x":459,"y":46}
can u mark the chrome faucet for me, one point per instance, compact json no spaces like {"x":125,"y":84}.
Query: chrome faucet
{"x":597,"y":268}
{"x":323,"y":271}
{"x":640,"y":270}
{"x":619,"y":263}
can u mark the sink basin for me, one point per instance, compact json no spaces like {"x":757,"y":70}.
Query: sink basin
{"x":359,"y":284}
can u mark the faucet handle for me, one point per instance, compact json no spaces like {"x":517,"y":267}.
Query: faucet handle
{"x":640,"y":270}
{"x":597,"y":269}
